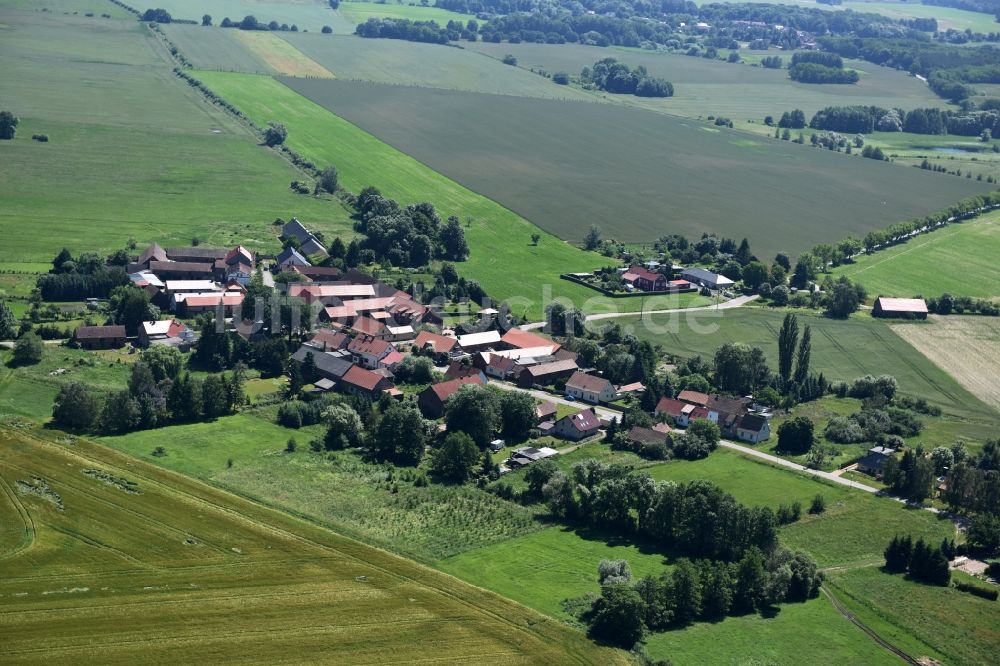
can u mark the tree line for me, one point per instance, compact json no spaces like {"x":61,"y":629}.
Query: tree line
{"x":820,"y":67}
{"x":410,"y":236}
{"x":616,"y":77}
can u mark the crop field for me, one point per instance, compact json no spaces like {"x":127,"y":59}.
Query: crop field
{"x":842,"y":350}
{"x":503,"y":258}
{"x":216,"y":48}
{"x":636,"y":174}
{"x":97,"y":569}
{"x":281,"y":56}
{"x":359,"y":12}
{"x":198,"y":174}
{"x":948,"y":624}
{"x":712,"y":87}
{"x":947,"y":17}
{"x":309,"y":15}
{"x":424,"y":65}
{"x":959,"y":259}
{"x":967,"y":348}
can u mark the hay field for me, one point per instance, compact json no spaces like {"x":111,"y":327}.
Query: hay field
{"x":959,"y":259}
{"x":966,"y":347}
{"x":637,"y":175}
{"x":167,"y":569}
{"x":216,"y":48}
{"x":281,"y":56}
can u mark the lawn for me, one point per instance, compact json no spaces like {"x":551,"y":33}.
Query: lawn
{"x":712,"y":87}
{"x":841,"y":349}
{"x":503,"y":258}
{"x":86,"y":561}
{"x":99,"y":89}
{"x":959,"y":259}
{"x":542,"y":569}
{"x":952,"y":626}
{"x":637,"y":175}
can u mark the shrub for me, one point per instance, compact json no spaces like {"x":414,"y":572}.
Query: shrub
{"x":41,"y":138}
{"x":984,"y":592}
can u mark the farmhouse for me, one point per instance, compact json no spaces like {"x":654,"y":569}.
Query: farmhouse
{"x":577,"y":426}
{"x":499,"y":366}
{"x":100,"y":337}
{"x":438,"y":344}
{"x":290,"y":257}
{"x":328,"y":340}
{"x":369,"y":351}
{"x":874,"y":461}
{"x":433,"y":398}
{"x":545,"y":373}
{"x":903,"y":308}
{"x":515,"y":338}
{"x":190,"y":305}
{"x":590,"y":388}
{"x":459,"y":370}
{"x":753,"y":428}
{"x":703,"y":278}
{"x":681,"y":412}
{"x":643,"y":435}
{"x":644,"y":279}
{"x":364,"y":383}
{"x":694,"y":398}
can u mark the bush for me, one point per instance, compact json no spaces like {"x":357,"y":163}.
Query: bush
{"x":41,"y":138}
{"x":562,"y":78}
{"x":984,"y":592}
{"x":326,"y":30}
{"x":818,"y":505}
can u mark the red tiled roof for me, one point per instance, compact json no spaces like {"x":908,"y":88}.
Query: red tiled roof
{"x":98,"y":332}
{"x":640,"y":272}
{"x":694,"y":397}
{"x":365,"y":379}
{"x":367,"y":345}
{"x":238,"y":253}
{"x":585,"y":382}
{"x":440,"y":343}
{"x":502,"y":363}
{"x":676,"y":407}
{"x":456,"y":370}
{"x":368,"y":326}
{"x":392,"y":358}
{"x":227,"y":298}
{"x":515,"y":337}
{"x":331,"y":338}
{"x":445,"y":390}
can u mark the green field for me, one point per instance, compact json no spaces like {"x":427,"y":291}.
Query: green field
{"x":638,"y":175}
{"x":181,"y":572}
{"x":712,"y":87}
{"x":945,"y":623}
{"x":947,"y":17}
{"x":842,"y":350}
{"x":309,"y":15}
{"x":959,"y":259}
{"x":503,"y":258}
{"x":215,"y":48}
{"x":100,"y":89}
{"x":359,"y":12}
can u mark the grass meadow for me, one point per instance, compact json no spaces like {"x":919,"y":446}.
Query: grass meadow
{"x":359,"y":12}
{"x":179,"y":571}
{"x":637,"y":175}
{"x":281,"y":56}
{"x":216,"y":48}
{"x":99,"y":89}
{"x":309,"y":15}
{"x":948,"y":18}
{"x":959,"y":259}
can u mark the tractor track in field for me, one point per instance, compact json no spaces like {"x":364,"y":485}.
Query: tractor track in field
{"x":853,"y":619}
{"x":29,"y":533}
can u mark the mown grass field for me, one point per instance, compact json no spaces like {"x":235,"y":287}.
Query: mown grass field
{"x":637,"y":175}
{"x":503,"y":258}
{"x":711,"y":87}
{"x":944,"y":623}
{"x":99,"y":89}
{"x":184,"y":572}
{"x":281,"y":56}
{"x":215,"y":48}
{"x":842,"y":350}
{"x":968,"y":348}
{"x":959,"y":259}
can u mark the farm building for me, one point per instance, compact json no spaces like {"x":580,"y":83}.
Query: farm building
{"x":590,"y":388}
{"x":753,"y":428}
{"x":545,"y":411}
{"x":364,"y":383}
{"x":328,"y":340}
{"x":903,"y":308}
{"x":330,"y":365}
{"x":459,"y":370}
{"x":165,"y":332}
{"x":474,"y":342}
{"x":291,"y":257}
{"x":100,"y":337}
{"x":703,"y":278}
{"x":438,"y":344}
{"x":515,"y":338}
{"x":498,"y":366}
{"x":545,"y":373}
{"x":369,"y":351}
{"x":681,"y":412}
{"x":644,"y":279}
{"x":694,"y":398}
{"x":529,"y":454}
{"x":643,"y":435}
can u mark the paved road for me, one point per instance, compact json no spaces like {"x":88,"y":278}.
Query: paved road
{"x":737,"y":302}
{"x":542,"y":395}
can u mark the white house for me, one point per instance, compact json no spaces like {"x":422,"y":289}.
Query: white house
{"x":590,"y":388}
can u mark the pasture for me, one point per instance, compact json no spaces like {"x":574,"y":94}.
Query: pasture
{"x":503,"y":258}
{"x":842,"y":350}
{"x":281,"y":56}
{"x":944,"y":623}
{"x":967,"y":348}
{"x":635,"y":174}
{"x":309,"y":15}
{"x":85,"y":561}
{"x":959,"y":259}
{"x":712,"y":87}
{"x":99,"y":89}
